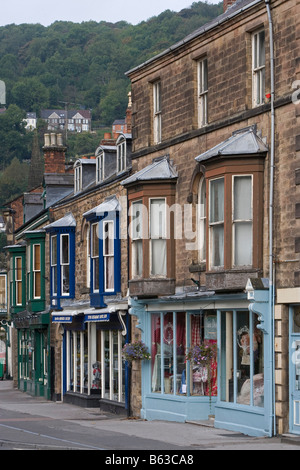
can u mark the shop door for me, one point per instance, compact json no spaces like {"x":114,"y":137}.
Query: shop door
{"x":295,"y":371}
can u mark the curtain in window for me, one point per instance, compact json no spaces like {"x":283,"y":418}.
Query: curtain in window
{"x":217,"y":221}
{"x":158,"y":233}
{"x":242,"y":220}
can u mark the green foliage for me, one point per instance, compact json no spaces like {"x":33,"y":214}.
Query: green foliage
{"x":13,"y":180}
{"x":82,"y":63}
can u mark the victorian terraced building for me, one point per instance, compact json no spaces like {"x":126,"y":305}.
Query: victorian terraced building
{"x":182,"y":233}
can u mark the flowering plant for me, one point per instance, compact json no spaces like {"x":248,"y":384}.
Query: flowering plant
{"x":137,"y":350}
{"x":202,"y":354}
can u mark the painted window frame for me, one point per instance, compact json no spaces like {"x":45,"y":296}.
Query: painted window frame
{"x":100,"y":167}
{"x":161,"y":236}
{"x":17,"y":253}
{"x":109,"y":255}
{"x":239,"y":222}
{"x":157,"y":113}
{"x":202,"y":220}
{"x":77,"y":177}
{"x":97,"y":294}
{"x":202,"y":91}
{"x":121,"y":155}
{"x":258,"y":67}
{"x":216,"y":226}
{"x":137,"y":238}
{"x":57,"y":263}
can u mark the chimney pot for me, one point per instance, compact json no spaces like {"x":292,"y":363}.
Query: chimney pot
{"x":53,"y":138}
{"x":47,"y":140}
{"x":59,"y":140}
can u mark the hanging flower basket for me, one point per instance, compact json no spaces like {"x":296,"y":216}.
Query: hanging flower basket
{"x":135,"y":351}
{"x":204,"y":356}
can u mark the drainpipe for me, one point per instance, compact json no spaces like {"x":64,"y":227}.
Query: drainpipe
{"x":271,"y":208}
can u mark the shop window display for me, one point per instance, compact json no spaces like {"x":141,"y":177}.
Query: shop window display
{"x":242,"y":350}
{"x":173,"y":334}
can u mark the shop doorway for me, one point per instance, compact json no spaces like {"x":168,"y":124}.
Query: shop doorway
{"x":295,"y":370}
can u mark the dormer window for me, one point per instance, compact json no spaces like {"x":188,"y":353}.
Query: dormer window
{"x":77,"y":177}
{"x":121,"y":155}
{"x":100,"y":160}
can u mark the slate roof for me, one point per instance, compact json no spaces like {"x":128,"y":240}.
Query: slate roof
{"x":160,"y":169}
{"x":110,"y":204}
{"x":242,"y":142}
{"x":66,"y":221}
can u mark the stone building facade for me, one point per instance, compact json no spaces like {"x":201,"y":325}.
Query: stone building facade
{"x":196,"y":102}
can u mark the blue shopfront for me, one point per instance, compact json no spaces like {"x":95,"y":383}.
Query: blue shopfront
{"x":237,"y":389}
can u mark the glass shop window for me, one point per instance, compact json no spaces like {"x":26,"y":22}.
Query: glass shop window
{"x":173,"y":334}
{"x":242,"y":352}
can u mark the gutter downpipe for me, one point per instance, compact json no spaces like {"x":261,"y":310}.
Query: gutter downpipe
{"x":271,"y":209}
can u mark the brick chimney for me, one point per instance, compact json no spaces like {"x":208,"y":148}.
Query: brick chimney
{"x":54,"y":153}
{"x":227,"y":4}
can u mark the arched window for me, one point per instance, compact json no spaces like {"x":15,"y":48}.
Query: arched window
{"x":202,"y":219}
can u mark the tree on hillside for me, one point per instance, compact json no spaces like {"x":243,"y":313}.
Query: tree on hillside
{"x":13,"y":180}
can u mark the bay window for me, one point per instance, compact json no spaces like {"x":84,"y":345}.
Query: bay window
{"x":17,"y":278}
{"x":105,"y":250}
{"x":62,"y":259}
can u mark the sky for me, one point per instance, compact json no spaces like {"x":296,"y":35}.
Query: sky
{"x":46,"y":12}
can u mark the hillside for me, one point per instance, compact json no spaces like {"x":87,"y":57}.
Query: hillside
{"x":84,"y":64}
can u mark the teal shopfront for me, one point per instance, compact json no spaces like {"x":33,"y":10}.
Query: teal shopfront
{"x":235,"y":389}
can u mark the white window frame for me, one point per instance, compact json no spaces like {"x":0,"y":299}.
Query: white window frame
{"x":63,"y":264}
{"x":202,"y":85}
{"x":110,"y":255}
{"x":77,"y":177}
{"x":4,"y":294}
{"x":136,"y":238}
{"x":121,"y":155}
{"x":18,"y":281}
{"x":93,"y":255}
{"x":241,"y":221}
{"x":215,"y":224}
{"x":258,"y":68}
{"x":161,"y":236}
{"x":36,"y":271}
{"x":100,"y":162}
{"x":201,"y":222}
{"x":54,"y":265}
{"x":157,"y":131}
{"x":88,"y":257}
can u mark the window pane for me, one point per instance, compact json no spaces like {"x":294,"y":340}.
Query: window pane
{"x":108,"y":245}
{"x":37,"y":284}
{"x":95,"y":241}
{"x":261,"y":49}
{"x":159,"y":257}
{"x":53,"y":250}
{"x":96,"y":273}
{"x":65,"y":249}
{"x":217,"y":245}
{"x":243,"y":244}
{"x":243,"y":358}
{"x":157,"y":218}
{"x":65,"y":273}
{"x":18,"y":269}
{"x":168,"y":359}
{"x":155,"y":353}
{"x":258,"y":364}
{"x":227,"y":386}
{"x":109,"y":272}
{"x":37,"y":257}
{"x":180,"y":353}
{"x":217,"y":200}
{"x":243,"y":198}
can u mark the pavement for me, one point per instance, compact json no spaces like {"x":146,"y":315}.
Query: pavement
{"x":193,"y":435}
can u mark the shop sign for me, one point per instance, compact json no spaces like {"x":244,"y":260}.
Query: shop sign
{"x":62,"y":318}
{"x":96,"y":317}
